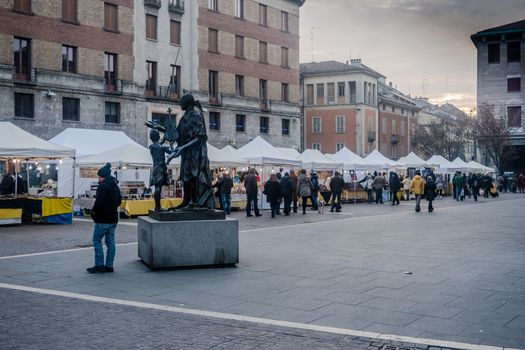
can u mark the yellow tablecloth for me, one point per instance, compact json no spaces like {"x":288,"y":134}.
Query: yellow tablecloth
{"x":142,"y":206}
{"x":9,"y":215}
{"x":55,"y":206}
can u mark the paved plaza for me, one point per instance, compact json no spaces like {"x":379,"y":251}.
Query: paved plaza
{"x":370,"y":276}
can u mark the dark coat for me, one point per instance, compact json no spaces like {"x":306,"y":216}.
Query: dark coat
{"x":107,"y":201}
{"x":315,"y":183}
{"x":7,"y":186}
{"x":337,"y":184}
{"x":250,"y":183}
{"x":430,"y":190}
{"x":226,"y":185}
{"x":295,"y":181}
{"x":287,"y":187}
{"x":395,"y":183}
{"x":272,"y":190}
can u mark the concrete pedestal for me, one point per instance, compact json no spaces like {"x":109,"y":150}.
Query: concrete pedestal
{"x":177,"y":244}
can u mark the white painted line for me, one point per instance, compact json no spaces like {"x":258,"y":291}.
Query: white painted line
{"x":251,"y":319}
{"x":119,"y":223}
{"x":57,"y":251}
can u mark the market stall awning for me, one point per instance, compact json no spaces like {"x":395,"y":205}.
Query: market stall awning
{"x":412,"y":161}
{"x":259,"y":152}
{"x":458,"y":164}
{"x":315,"y":160}
{"x":229,"y":149}
{"x":475,"y":166}
{"x":18,"y":143}
{"x":220,"y":157}
{"x":350,"y":160}
{"x":377,"y":160}
{"x":292,"y":152}
{"x":131,"y":155}
{"x":440,"y":163}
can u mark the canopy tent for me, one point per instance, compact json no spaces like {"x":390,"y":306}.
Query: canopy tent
{"x":412,"y":161}
{"x":292,"y":152}
{"x":377,"y":160}
{"x":222,"y":157}
{"x":131,"y":155}
{"x":315,"y":160}
{"x":260,"y":152}
{"x":349,"y":159}
{"x":18,"y":143}
{"x":440,"y":162}
{"x":477,"y":167}
{"x":229,"y":149}
{"x":458,"y":164}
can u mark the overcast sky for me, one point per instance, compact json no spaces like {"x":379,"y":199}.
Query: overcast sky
{"x":413,"y":43}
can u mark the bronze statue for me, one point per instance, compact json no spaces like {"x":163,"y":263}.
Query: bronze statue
{"x":159,"y":173}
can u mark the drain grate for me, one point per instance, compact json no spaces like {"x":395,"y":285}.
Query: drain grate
{"x":391,"y":347}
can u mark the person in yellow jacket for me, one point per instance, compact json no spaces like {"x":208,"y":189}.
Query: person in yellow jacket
{"x":417,"y":187}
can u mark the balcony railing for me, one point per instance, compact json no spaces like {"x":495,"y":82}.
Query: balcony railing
{"x":394,"y":140}
{"x":176,"y":6}
{"x":371,"y":136}
{"x":114,"y":87}
{"x":162,"y":92}
{"x":215,"y":99}
{"x":152,"y":3}
{"x":265,"y":104}
{"x":29,"y":76}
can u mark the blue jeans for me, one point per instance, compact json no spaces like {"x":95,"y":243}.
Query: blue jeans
{"x":101,"y":231}
{"x":458,"y":193}
{"x":226,"y":202}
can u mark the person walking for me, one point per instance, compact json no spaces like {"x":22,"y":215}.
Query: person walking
{"x":474,"y":186}
{"x":514,"y":183}
{"x":487,"y":184}
{"x":457,"y":181}
{"x":505,"y":182}
{"x":430,"y":192}
{"x":499,"y":181}
{"x":226,"y":191}
{"x":305,"y":188}
{"x":278,"y":212}
{"x":378,"y":185}
{"x":521,"y":183}
{"x":418,"y":187}
{"x":250,"y":183}
{"x":337,"y":184}
{"x":217,"y":186}
{"x":369,"y":187}
{"x":440,"y":186}
{"x":295,"y":182}
{"x":105,"y":215}
{"x":287,"y":191}
{"x":407,"y":182}
{"x":272,"y":190}
{"x":315,"y":190}
{"x":395,"y":186}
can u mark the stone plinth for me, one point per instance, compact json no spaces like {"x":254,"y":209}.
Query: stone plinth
{"x":195,"y":243}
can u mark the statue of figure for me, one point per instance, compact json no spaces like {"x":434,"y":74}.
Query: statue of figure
{"x":195,"y":172}
{"x":159,"y":173}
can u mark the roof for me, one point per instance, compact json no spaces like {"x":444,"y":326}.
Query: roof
{"x":315,"y":160}
{"x":514,"y":27}
{"x":259,"y":152}
{"x":331,"y":67}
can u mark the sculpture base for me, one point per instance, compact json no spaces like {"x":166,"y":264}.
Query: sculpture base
{"x":187,"y":215}
{"x":188,"y":244}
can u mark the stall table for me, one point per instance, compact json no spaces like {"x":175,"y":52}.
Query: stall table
{"x":55,"y":210}
{"x":135,"y":207}
{"x":10,"y":211}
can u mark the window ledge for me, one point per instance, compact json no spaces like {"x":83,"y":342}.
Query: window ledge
{"x":24,"y":118}
{"x":214,"y":52}
{"x":116,"y":31}
{"x":75,"y":22}
{"x":70,"y":121}
{"x":30,"y":13}
{"x":215,"y":130}
{"x":151,"y":39}
{"x":176,"y":45}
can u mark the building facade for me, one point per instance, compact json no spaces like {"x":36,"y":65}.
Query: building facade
{"x":340,"y":106}
{"x":500,"y":78}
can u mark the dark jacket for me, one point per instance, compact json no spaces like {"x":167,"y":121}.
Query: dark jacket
{"x":272,"y":190}
{"x":295,"y":182}
{"x":337,"y":184}
{"x":7,"y":186}
{"x":107,"y":201}
{"x":379,"y":182}
{"x":315,"y":182}
{"x":250,"y":183}
{"x":287,"y":187}
{"x":226,"y":185}
{"x":430,"y":190}
{"x":395,"y":183}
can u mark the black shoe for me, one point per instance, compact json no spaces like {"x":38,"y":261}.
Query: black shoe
{"x":287,"y":214}
{"x":277,"y":213}
{"x":249,"y":216}
{"x":258,"y":214}
{"x":108,"y":269}
{"x":96,"y":269}
{"x":331,"y":210}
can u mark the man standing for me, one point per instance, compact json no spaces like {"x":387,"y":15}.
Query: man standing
{"x":457,"y":181}
{"x":105,"y":216}
{"x":395,"y":186}
{"x":418,"y":188}
{"x":226,"y":191}
{"x":287,"y":191}
{"x":378,"y":185}
{"x":295,"y":181}
{"x":250,"y":183}
{"x":337,"y":185}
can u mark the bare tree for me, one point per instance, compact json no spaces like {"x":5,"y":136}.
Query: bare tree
{"x":446,"y":138}
{"x":491,"y":132}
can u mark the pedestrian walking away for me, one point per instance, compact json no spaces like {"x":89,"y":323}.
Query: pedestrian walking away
{"x":395,"y":186}
{"x":378,"y":185}
{"x":225,"y":191}
{"x":287,"y":191}
{"x":272,"y":190}
{"x":305,"y":188}
{"x":430,"y":193}
{"x":250,"y":183}
{"x":315,"y":190}
{"x":105,"y":216}
{"x":440,"y":185}
{"x":407,"y":182}
{"x":369,"y":187}
{"x":457,"y":182}
{"x":337,"y":184}
{"x":295,"y":182}
{"x":418,"y":188}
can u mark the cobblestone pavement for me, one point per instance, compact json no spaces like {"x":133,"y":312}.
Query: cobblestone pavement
{"x":50,"y":322}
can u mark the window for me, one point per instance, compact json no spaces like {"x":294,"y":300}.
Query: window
{"x":239,"y":46}
{"x":110,"y":70}
{"x":284,"y":21}
{"x":365,"y":88}
{"x":151,"y":27}
{"x":215,"y":121}
{"x":239,"y":85}
{"x":264,"y":125}
{"x":213,"y":5}
{"x":316,"y":125}
{"x":513,"y":84}
{"x":403,"y":128}
{"x":340,"y":124}
{"x":339,"y":146}
{"x":514,"y":117}
{"x":239,"y":8}
{"x":316,"y":146}
{"x":330,"y":87}
{"x":174,"y":87}
{"x":175,"y":32}
{"x":284,"y":57}
{"x":22,"y":6}
{"x":383,"y":126}
{"x":286,"y":126}
{"x":384,"y":107}
{"x":160,"y":118}
{"x":151,"y":82}
{"x":69,"y":55}
{"x":394,"y":127}
{"x":341,"y":89}
{"x":393,"y":109}
{"x":213,"y":37}
{"x":240,"y":122}
{"x":69,"y":10}
{"x":263,"y":10}
{"x":310,"y":94}
{"x":263,"y":93}
{"x":263,"y":52}
{"x":110,"y":17}
{"x":402,"y":111}
{"x":513,"y":51}
{"x":285,"y":93}
{"x":352,"y":90}
{"x":112,"y":113}
{"x":22,"y":58}
{"x":413,"y":113}
{"x":24,"y":105}
{"x":213,"y":84}
{"x":71,"y":109}
{"x":493,"y":53}
{"x":320,"y":92}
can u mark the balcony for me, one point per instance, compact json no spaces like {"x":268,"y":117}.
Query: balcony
{"x":29,"y":77}
{"x":265,"y":104}
{"x":176,"y":6}
{"x":162,"y":93}
{"x":215,"y":100}
{"x":152,"y":3}
{"x":371,"y":136}
{"x":394,"y":140}
{"x":113,"y":87}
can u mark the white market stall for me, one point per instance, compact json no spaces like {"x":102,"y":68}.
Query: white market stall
{"x":440,"y":164}
{"x":412,"y":161}
{"x":292,"y":152}
{"x":313,"y":159}
{"x":228,"y":149}
{"x":477,"y":167}
{"x":377,"y":161}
